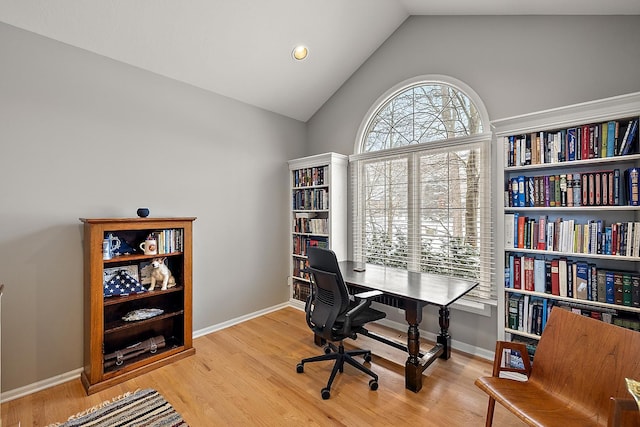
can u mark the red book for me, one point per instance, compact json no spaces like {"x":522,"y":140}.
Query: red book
{"x":555,"y":278}
{"x":521,"y":225}
{"x":517,"y":270}
{"x":584,"y":143}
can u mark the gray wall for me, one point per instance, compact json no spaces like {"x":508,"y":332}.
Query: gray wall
{"x":77,"y":133}
{"x":515,"y":64}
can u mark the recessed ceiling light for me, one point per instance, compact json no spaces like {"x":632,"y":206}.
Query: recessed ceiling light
{"x":300,"y":52}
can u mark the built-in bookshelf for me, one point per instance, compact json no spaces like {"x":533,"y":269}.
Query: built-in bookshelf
{"x":570,"y":220}
{"x":130,"y":326}
{"x":318,"y":187}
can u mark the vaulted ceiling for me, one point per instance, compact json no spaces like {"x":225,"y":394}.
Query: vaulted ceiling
{"x":242,"y":48}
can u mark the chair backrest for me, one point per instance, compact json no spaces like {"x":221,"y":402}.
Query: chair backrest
{"x":330,"y":293}
{"x":586,"y":360}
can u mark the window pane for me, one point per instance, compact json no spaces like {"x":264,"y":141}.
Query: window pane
{"x":386,"y":212}
{"x":421,"y":114}
{"x":449,"y":219}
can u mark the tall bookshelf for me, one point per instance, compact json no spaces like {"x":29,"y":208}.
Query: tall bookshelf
{"x":318,"y":187}
{"x":574,"y":246}
{"x":109,"y":331}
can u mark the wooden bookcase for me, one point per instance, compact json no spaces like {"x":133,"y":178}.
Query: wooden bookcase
{"x":105,"y":330}
{"x":587,"y":297}
{"x":318,"y":213}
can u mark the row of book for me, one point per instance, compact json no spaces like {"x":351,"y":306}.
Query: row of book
{"x":592,"y":237}
{"x":529,"y":314}
{"x":305,"y":222}
{"x":591,"y":141}
{"x":601,"y":188}
{"x":512,"y":358}
{"x":316,"y":199}
{"x":299,"y":267}
{"x":308,"y":177}
{"x":301,"y":244}
{"x":169,"y":241}
{"x":301,"y":290}
{"x":572,"y":279}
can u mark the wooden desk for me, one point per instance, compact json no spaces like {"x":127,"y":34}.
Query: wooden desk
{"x":410,"y":292}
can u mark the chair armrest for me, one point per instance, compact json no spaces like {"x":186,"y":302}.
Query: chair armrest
{"x":363,"y":300}
{"x":501,"y":346}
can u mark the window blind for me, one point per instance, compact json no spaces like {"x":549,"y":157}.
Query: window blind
{"x":427,"y":207}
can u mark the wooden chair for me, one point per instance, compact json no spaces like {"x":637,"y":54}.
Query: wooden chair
{"x":580,"y":364}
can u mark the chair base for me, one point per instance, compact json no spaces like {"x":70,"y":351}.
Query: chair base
{"x":341,"y":356}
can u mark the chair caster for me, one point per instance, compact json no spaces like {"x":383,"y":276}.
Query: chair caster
{"x":373,"y":385}
{"x":300,"y":368}
{"x":327,"y":349}
{"x":367,"y":358}
{"x":325,"y":393}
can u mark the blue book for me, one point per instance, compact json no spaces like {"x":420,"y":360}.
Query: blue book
{"x":611,"y":136}
{"x":571,"y":144}
{"x":609,"y":287}
{"x":628,"y":141}
{"x":582,"y":281}
{"x":514,"y":192}
{"x":521,"y":191}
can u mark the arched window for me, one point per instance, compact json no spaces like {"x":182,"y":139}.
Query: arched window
{"x":421,"y":183}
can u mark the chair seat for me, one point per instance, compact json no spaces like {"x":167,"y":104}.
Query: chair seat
{"x":534,"y":405}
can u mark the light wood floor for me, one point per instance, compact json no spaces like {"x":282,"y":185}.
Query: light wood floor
{"x":245,"y":376}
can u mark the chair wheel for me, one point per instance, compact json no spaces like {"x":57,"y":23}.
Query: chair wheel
{"x":325,"y":393}
{"x":367,"y":357}
{"x":300,"y":368}
{"x":373,"y":385}
{"x":327,"y":350}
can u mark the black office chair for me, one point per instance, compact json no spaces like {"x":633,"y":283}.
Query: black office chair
{"x":333,"y":315}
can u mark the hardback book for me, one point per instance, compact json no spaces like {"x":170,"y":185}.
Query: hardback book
{"x":509,"y":227}
{"x":539,"y":275}
{"x":627,"y":290}
{"x":582,"y":277}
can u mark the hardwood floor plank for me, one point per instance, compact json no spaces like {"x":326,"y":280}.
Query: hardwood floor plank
{"x":245,"y":375}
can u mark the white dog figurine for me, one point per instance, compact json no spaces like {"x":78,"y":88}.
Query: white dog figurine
{"x":160,"y":273}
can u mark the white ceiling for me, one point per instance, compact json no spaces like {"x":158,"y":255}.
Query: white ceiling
{"x":242,"y":48}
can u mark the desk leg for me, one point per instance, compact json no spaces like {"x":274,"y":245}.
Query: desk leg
{"x":444,"y":338}
{"x":413,"y":368}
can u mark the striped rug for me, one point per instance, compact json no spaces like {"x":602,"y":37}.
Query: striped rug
{"x":141,"y":408}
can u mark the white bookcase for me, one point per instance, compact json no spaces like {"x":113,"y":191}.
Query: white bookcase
{"x":603,"y":266}
{"x":318,"y":213}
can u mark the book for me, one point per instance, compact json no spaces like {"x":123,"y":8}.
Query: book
{"x":509,"y":227}
{"x":539,"y":275}
{"x":629,"y":137}
{"x":581,"y":281}
{"x":627,"y":290}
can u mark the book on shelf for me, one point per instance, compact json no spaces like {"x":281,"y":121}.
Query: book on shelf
{"x":566,"y":235}
{"x":589,"y":141}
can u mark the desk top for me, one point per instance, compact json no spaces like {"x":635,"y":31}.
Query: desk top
{"x":425,"y":287}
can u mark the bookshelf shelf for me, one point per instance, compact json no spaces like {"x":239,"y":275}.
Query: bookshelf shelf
{"x":575,"y":163}
{"x":583,"y":195}
{"x":318,"y":186}
{"x":106,"y":332}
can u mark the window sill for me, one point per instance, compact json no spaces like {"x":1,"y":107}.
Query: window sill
{"x":471,"y":306}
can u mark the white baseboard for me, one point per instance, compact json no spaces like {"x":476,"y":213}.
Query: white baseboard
{"x":40,"y":385}
{"x":237,"y":320}
{"x":72,"y":375}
